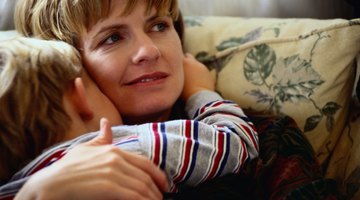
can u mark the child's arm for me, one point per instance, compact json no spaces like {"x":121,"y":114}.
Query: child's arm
{"x":218,"y":141}
{"x":105,"y":173}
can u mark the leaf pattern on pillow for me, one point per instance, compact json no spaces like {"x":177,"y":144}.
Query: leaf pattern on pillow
{"x":212,"y":62}
{"x":193,"y":21}
{"x":286,"y":79}
{"x":259,"y":64}
{"x":293,"y":80}
{"x":236,"y":41}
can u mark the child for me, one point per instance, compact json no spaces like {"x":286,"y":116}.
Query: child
{"x":47,"y":98}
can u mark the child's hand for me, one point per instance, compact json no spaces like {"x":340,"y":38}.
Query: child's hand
{"x":105,"y":136}
{"x":97,"y":170}
{"x":197,"y":77}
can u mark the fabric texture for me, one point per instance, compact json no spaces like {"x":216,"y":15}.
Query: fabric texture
{"x":285,"y":169}
{"x":320,"y":9}
{"x":344,"y":165}
{"x":219,"y":141}
{"x":303,"y":68}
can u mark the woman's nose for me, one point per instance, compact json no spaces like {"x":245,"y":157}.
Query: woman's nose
{"x":146,"y":51}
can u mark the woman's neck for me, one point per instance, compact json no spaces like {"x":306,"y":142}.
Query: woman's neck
{"x":176,"y":112}
{"x":157,"y":117}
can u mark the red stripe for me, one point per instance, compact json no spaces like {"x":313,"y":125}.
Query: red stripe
{"x":54,"y":156}
{"x":211,"y":106}
{"x":249,"y":132}
{"x":156,"y":154}
{"x":188,"y":145}
{"x":219,"y":155}
{"x":225,"y":114}
{"x":217,"y":104}
{"x":245,"y":153}
{"x":202,"y":110}
{"x":10,"y":197}
{"x":242,"y":157}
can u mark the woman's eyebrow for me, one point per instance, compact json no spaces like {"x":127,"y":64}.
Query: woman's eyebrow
{"x":109,"y":27}
{"x":95,"y":37}
{"x":122,"y":26}
{"x":153,"y":15}
{"x":152,"y":18}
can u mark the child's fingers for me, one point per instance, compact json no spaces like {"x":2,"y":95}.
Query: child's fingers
{"x":189,"y":55}
{"x":105,"y":135}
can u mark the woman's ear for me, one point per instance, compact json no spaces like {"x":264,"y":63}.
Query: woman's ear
{"x":81,"y":103}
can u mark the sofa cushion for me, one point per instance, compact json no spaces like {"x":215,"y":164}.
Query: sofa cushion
{"x":303,"y":68}
{"x":344,"y":165}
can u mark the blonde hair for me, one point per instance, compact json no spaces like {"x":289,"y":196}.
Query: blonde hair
{"x":33,"y":77}
{"x":66,"y":19}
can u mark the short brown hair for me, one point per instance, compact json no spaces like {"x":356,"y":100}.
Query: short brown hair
{"x":66,"y":19}
{"x":33,"y":77}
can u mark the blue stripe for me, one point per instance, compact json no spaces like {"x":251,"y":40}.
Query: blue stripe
{"x":196,"y":113}
{"x":195,"y":150}
{"x":229,"y":102}
{"x":164,"y":150}
{"x":126,"y":142}
{"x":234,"y":130}
{"x":226,"y":156}
{"x":208,"y":104}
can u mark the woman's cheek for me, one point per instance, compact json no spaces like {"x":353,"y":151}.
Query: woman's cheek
{"x":106,"y":70}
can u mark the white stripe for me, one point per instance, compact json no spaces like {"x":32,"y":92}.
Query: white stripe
{"x":181,"y":152}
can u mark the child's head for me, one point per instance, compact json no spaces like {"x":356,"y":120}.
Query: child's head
{"x":37,"y":83}
{"x":33,"y":78}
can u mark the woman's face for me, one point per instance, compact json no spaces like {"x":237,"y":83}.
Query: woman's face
{"x":137,"y":62}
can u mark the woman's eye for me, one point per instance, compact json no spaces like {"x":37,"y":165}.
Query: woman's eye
{"x":112,"y":39}
{"x":159,"y":27}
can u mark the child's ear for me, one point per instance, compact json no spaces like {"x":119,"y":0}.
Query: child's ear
{"x":80,"y":100}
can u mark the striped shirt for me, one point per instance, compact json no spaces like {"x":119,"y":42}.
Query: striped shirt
{"x":217,"y":141}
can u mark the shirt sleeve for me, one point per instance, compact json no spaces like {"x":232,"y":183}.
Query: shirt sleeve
{"x":218,"y":140}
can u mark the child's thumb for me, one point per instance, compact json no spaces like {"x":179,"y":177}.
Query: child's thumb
{"x":105,"y":135}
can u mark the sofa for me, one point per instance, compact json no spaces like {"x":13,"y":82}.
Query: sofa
{"x":303,"y":65}
{"x":284,"y":59}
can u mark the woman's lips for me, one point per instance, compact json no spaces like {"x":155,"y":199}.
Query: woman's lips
{"x":148,"y":78}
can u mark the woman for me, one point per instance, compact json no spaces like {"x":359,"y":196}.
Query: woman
{"x":130,"y":48}
{"x":109,"y":31}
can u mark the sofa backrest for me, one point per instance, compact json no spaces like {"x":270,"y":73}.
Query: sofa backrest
{"x":320,"y":9}
{"x":7,"y":14}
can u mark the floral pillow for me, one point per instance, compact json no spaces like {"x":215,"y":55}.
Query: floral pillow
{"x":344,"y":165}
{"x":304,"y":68}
